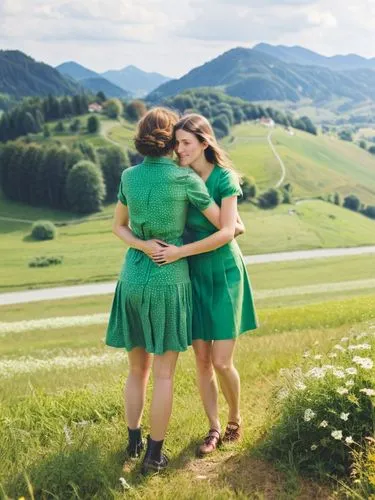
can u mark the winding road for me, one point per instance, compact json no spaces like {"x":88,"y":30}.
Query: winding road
{"x":109,"y":287}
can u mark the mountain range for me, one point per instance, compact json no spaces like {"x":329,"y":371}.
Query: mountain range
{"x":255,"y":75}
{"x":261,"y":73}
{"x":306,"y":57}
{"x":116,"y":83}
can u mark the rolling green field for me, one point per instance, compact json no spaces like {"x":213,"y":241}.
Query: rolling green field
{"x":314,"y":165}
{"x":91,"y":253}
{"x":65,"y":435}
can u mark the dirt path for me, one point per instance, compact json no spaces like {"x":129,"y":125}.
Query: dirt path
{"x":277,"y":156}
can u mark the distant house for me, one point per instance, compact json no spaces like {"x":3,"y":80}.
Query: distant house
{"x":267,"y":122}
{"x":95,"y":108}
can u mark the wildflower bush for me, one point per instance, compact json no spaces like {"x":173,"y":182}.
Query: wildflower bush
{"x":324,"y":409}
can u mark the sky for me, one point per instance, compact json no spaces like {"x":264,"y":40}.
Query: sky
{"x":174,"y":36}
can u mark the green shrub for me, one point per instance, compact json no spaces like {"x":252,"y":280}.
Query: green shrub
{"x":85,"y":188}
{"x":249,"y":189}
{"x":43,"y":230}
{"x":352,"y":202}
{"x":324,"y":408}
{"x":369,"y":211}
{"x":45,"y":261}
{"x":93,"y":124}
{"x":270,"y":198}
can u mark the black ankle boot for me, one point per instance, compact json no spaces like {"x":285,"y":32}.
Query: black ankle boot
{"x":135,"y":446}
{"x":154,"y":460}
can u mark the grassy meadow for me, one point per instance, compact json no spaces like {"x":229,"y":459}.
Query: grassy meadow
{"x":314,"y":164}
{"x":87,"y":245}
{"x":62,"y":433}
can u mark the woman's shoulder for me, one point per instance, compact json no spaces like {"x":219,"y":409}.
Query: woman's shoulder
{"x":229,"y":182}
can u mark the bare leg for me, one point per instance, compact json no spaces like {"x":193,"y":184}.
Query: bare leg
{"x":135,"y":386}
{"x":222,"y":359}
{"x":161,"y":407}
{"x":207,"y":381}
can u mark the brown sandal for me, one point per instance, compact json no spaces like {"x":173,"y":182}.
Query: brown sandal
{"x":232,"y":432}
{"x":210,"y":443}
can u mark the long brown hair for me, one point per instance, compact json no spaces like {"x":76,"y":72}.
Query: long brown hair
{"x":201,"y":128}
{"x":154,"y":136}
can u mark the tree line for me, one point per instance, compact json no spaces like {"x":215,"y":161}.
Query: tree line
{"x":79,"y":179}
{"x":224,"y":111}
{"x":31,"y":114}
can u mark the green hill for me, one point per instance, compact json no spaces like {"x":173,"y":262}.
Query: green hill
{"x":256,"y":76}
{"x":315,"y":165}
{"x":20,"y":75}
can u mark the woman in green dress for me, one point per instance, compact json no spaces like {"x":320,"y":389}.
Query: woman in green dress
{"x":223,"y":306}
{"x":152,"y":307}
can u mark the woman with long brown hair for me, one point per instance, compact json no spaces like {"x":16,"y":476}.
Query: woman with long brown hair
{"x":152,"y":307}
{"x":223,"y":305}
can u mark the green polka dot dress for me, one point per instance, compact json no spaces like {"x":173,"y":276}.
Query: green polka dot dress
{"x":152,"y":306}
{"x":223,"y":305}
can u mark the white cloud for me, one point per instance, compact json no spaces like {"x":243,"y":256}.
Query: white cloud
{"x":156,"y":35}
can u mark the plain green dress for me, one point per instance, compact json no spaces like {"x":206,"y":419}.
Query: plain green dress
{"x":223,"y":305}
{"x":152,"y":306}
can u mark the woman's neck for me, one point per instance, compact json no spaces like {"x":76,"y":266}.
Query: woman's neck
{"x":202,"y":167}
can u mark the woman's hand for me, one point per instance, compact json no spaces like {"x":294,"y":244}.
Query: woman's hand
{"x":167,"y":255}
{"x":150,"y":247}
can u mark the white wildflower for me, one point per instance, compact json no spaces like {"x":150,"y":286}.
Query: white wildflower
{"x":309,"y":415}
{"x":297,"y":372}
{"x":336,"y":435}
{"x":316,"y":372}
{"x":368,"y":392}
{"x":344,"y":339}
{"x":349,"y":440}
{"x":344,"y":416}
{"x":332,"y":355}
{"x":362,"y":335}
{"x":124,"y":484}
{"x":323,"y":423}
{"x":339,"y":347}
{"x":342,"y":390}
{"x":68,"y":435}
{"x":83,"y":423}
{"x":366,"y":363}
{"x":349,"y":383}
{"x":314,"y":447}
{"x":300,"y":386}
{"x":359,"y":347}
{"x":24,"y":364}
{"x":282,"y":394}
{"x":53,"y":323}
{"x":339,"y":373}
{"x":352,"y":370}
{"x":327,"y":367}
{"x":318,"y":356}
{"x":306,"y":354}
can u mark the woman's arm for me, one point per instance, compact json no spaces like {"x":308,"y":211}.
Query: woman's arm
{"x":212,"y":213}
{"x":228,"y":217}
{"x":122,"y":230}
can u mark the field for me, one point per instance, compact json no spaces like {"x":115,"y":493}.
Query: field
{"x":62,"y":433}
{"x":314,"y":165}
{"x":85,"y":246}
{"x":65,"y":435}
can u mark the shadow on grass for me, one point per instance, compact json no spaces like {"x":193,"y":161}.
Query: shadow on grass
{"x":83,"y":474}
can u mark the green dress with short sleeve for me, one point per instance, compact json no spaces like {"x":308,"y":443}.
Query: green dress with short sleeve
{"x":152,"y":306}
{"x":223,"y":305}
